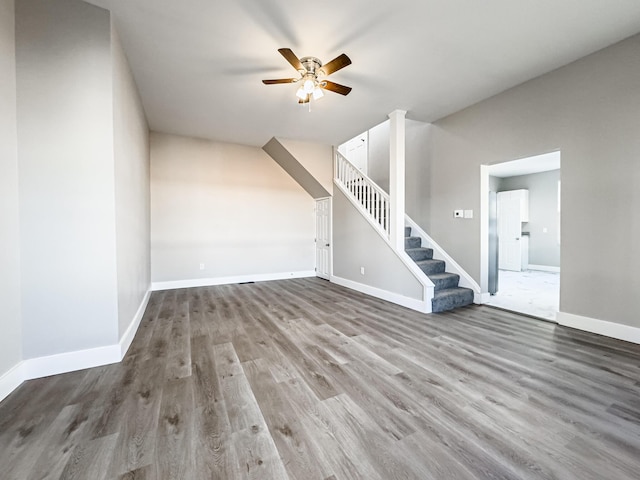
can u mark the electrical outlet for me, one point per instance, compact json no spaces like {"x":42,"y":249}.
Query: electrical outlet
{"x":468,"y":214}
{"x":202,"y":266}
{"x":361,"y":270}
{"x":458,"y":214}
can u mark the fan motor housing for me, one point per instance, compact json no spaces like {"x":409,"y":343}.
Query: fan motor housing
{"x":311,"y":64}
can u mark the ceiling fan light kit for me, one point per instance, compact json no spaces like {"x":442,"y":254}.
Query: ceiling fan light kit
{"x":310,"y":68}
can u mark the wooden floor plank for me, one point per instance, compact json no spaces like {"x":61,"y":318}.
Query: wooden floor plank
{"x":91,"y":459}
{"x":304,"y":379}
{"x":175,"y":431}
{"x":57,"y":444}
{"x":294,"y":447}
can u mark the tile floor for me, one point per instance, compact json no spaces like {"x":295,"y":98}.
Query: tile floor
{"x":532,"y":292}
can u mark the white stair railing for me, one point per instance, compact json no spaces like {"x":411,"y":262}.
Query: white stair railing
{"x":373,"y":200}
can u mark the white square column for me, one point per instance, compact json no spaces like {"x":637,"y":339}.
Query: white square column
{"x":396,"y":177}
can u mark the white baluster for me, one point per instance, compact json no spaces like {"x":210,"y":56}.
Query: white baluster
{"x":375,"y":207}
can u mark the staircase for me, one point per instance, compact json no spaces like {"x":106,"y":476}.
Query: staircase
{"x":447,"y":294}
{"x":374,"y":204}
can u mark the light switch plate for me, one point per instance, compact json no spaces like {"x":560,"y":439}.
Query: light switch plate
{"x":458,"y":214}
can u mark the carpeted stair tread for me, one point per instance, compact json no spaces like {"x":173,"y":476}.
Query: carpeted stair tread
{"x":412,"y":242}
{"x":443,"y":281}
{"x":451,"y":298}
{"x":429,"y":267}
{"x":420,"y":253}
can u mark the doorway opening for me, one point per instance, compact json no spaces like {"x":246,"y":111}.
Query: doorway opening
{"x":521,"y":228}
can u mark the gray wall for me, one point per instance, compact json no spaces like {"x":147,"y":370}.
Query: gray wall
{"x":378,"y":155}
{"x":589,"y":111}
{"x":131,"y":167}
{"x":10,"y":323}
{"x":230,"y":207}
{"x":417,"y":165}
{"x":356,"y":244}
{"x":65,"y":147}
{"x":544,"y":248}
{"x":417,"y":171}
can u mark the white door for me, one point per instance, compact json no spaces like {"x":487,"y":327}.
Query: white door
{"x":357,"y":152}
{"x":323,"y":238}
{"x":509,"y":231}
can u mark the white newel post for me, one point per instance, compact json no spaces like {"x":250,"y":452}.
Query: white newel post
{"x":396,"y":177}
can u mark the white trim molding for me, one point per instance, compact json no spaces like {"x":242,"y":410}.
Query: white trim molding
{"x":412,"y":303}
{"x":127,"y":337}
{"x":56,"y":364}
{"x":481,"y":298}
{"x":11,"y":380}
{"x":601,"y":327}
{"x":544,"y":268}
{"x":71,"y":361}
{"x":209,"y":282}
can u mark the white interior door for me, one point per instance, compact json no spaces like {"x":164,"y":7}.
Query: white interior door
{"x":509,"y":232}
{"x":323,"y":238}
{"x":357,"y":151}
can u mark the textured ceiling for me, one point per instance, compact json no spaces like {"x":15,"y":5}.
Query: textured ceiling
{"x":199,"y":64}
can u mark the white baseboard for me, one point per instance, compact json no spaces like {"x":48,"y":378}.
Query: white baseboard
{"x":601,"y":327}
{"x":127,"y":338}
{"x":544,"y":268}
{"x":208,"y":282}
{"x":11,"y":380}
{"x":412,"y":303}
{"x":481,"y":298}
{"x":72,"y":361}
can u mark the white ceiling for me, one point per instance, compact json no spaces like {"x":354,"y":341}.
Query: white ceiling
{"x":199,"y":63}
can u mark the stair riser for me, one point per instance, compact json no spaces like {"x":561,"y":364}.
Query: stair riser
{"x":407,"y":231}
{"x":432,"y":267}
{"x":444,"y":283}
{"x":418,"y":254}
{"x":465,"y":297}
{"x":412,"y":242}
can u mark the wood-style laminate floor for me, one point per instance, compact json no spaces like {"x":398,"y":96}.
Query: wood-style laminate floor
{"x":302,"y":379}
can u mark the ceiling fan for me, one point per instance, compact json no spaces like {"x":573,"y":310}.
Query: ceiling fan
{"x":311,"y":72}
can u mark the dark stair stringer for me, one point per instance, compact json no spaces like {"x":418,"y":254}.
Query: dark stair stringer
{"x":447,"y":295}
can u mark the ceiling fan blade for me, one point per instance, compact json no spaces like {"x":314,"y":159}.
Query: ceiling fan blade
{"x":336,"y":64}
{"x":291,"y":58}
{"x":335,"y":87}
{"x":279,"y":80}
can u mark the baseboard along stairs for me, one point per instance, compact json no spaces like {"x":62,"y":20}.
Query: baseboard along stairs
{"x":447,"y":294}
